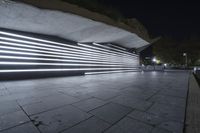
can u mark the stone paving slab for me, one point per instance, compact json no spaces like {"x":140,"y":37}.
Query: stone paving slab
{"x":171,"y":100}
{"x":13,"y":119}
{"x":132,"y":102}
{"x":137,"y":95}
{"x":111,"y":112}
{"x":7,"y":107}
{"x":92,"y":125}
{"x":175,"y":127}
{"x":105,"y":94}
{"x":174,"y":92}
{"x":4,"y":92}
{"x":127,"y":125}
{"x":150,"y":102}
{"x":169,"y":112}
{"x":160,"y":130}
{"x":25,"y":128}
{"x":49,"y":103}
{"x":89,"y":104}
{"x":157,"y":121}
{"x":59,"y":119}
{"x":148,"y":118}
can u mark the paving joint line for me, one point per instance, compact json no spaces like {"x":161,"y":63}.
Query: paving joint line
{"x":117,"y":121}
{"x":28,"y":116}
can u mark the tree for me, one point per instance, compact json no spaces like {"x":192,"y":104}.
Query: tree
{"x":171,"y":51}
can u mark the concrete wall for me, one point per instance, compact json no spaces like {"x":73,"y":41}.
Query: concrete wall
{"x":52,"y":21}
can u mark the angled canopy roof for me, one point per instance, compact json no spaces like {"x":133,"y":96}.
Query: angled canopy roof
{"x":24,"y":17}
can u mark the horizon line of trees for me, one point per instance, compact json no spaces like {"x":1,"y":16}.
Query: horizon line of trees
{"x":171,"y":51}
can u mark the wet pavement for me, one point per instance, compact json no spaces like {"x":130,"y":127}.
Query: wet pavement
{"x":138,"y":102}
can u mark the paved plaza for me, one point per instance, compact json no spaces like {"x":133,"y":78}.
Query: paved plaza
{"x":138,"y":102}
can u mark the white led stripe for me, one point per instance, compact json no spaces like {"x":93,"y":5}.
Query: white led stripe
{"x":22,"y":45}
{"x":37,"y":54}
{"x":26,"y":37}
{"x":118,"y":47}
{"x":23,"y":49}
{"x":64,"y":56}
{"x":107,"y":72}
{"x":36,"y":39}
{"x":125,"y":52}
{"x":58,"y":47}
{"x":48,"y":59}
{"x":115,"y":50}
{"x":104,"y":51}
{"x":68,"y":49}
{"x":57,"y":64}
{"x":57,"y":70}
{"x":104,"y":46}
{"x":61,"y":54}
{"x":43,"y":48}
{"x":107,"y":51}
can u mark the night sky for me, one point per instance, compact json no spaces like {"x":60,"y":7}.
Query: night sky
{"x":178,"y":20}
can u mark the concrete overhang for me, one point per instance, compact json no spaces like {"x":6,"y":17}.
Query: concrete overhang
{"x":65,"y":24}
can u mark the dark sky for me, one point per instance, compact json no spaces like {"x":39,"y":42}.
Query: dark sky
{"x":179,"y":20}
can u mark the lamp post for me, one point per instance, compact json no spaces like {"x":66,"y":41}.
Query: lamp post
{"x":185,"y":55}
{"x":154,"y":60}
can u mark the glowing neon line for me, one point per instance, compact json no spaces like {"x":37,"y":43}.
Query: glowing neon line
{"x":33,"y":50}
{"x":58,"y":47}
{"x":67,"y":57}
{"x":118,"y":47}
{"x":107,"y":72}
{"x":35,"y":39}
{"x":125,"y":52}
{"x":106,"y":51}
{"x":55,"y":70}
{"x":54,"y":64}
{"x":49,"y":59}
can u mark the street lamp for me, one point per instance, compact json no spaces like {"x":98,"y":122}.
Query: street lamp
{"x":154,"y":60}
{"x":185,"y":55}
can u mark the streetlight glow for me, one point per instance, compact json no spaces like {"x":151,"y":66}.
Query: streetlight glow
{"x":154,"y":59}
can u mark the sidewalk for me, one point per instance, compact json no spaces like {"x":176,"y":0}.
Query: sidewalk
{"x":192,"y":124}
{"x":137,"y":102}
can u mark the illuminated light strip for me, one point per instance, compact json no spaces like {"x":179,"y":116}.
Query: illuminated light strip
{"x":33,"y":54}
{"x":58,"y":47}
{"x":57,"y":50}
{"x":67,"y":57}
{"x":99,"y":58}
{"x":69,"y":49}
{"x":107,"y":72}
{"x":26,"y":37}
{"x":24,"y":49}
{"x":57,"y":70}
{"x":107,"y":47}
{"x":107,"y":51}
{"x":48,"y":59}
{"x":118,"y":47}
{"x":35,"y":39}
{"x":28,"y":46}
{"x":36,"y":54}
{"x":123,"y":59}
{"x":125,"y":52}
{"x":56,"y":64}
{"x":22,"y":45}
